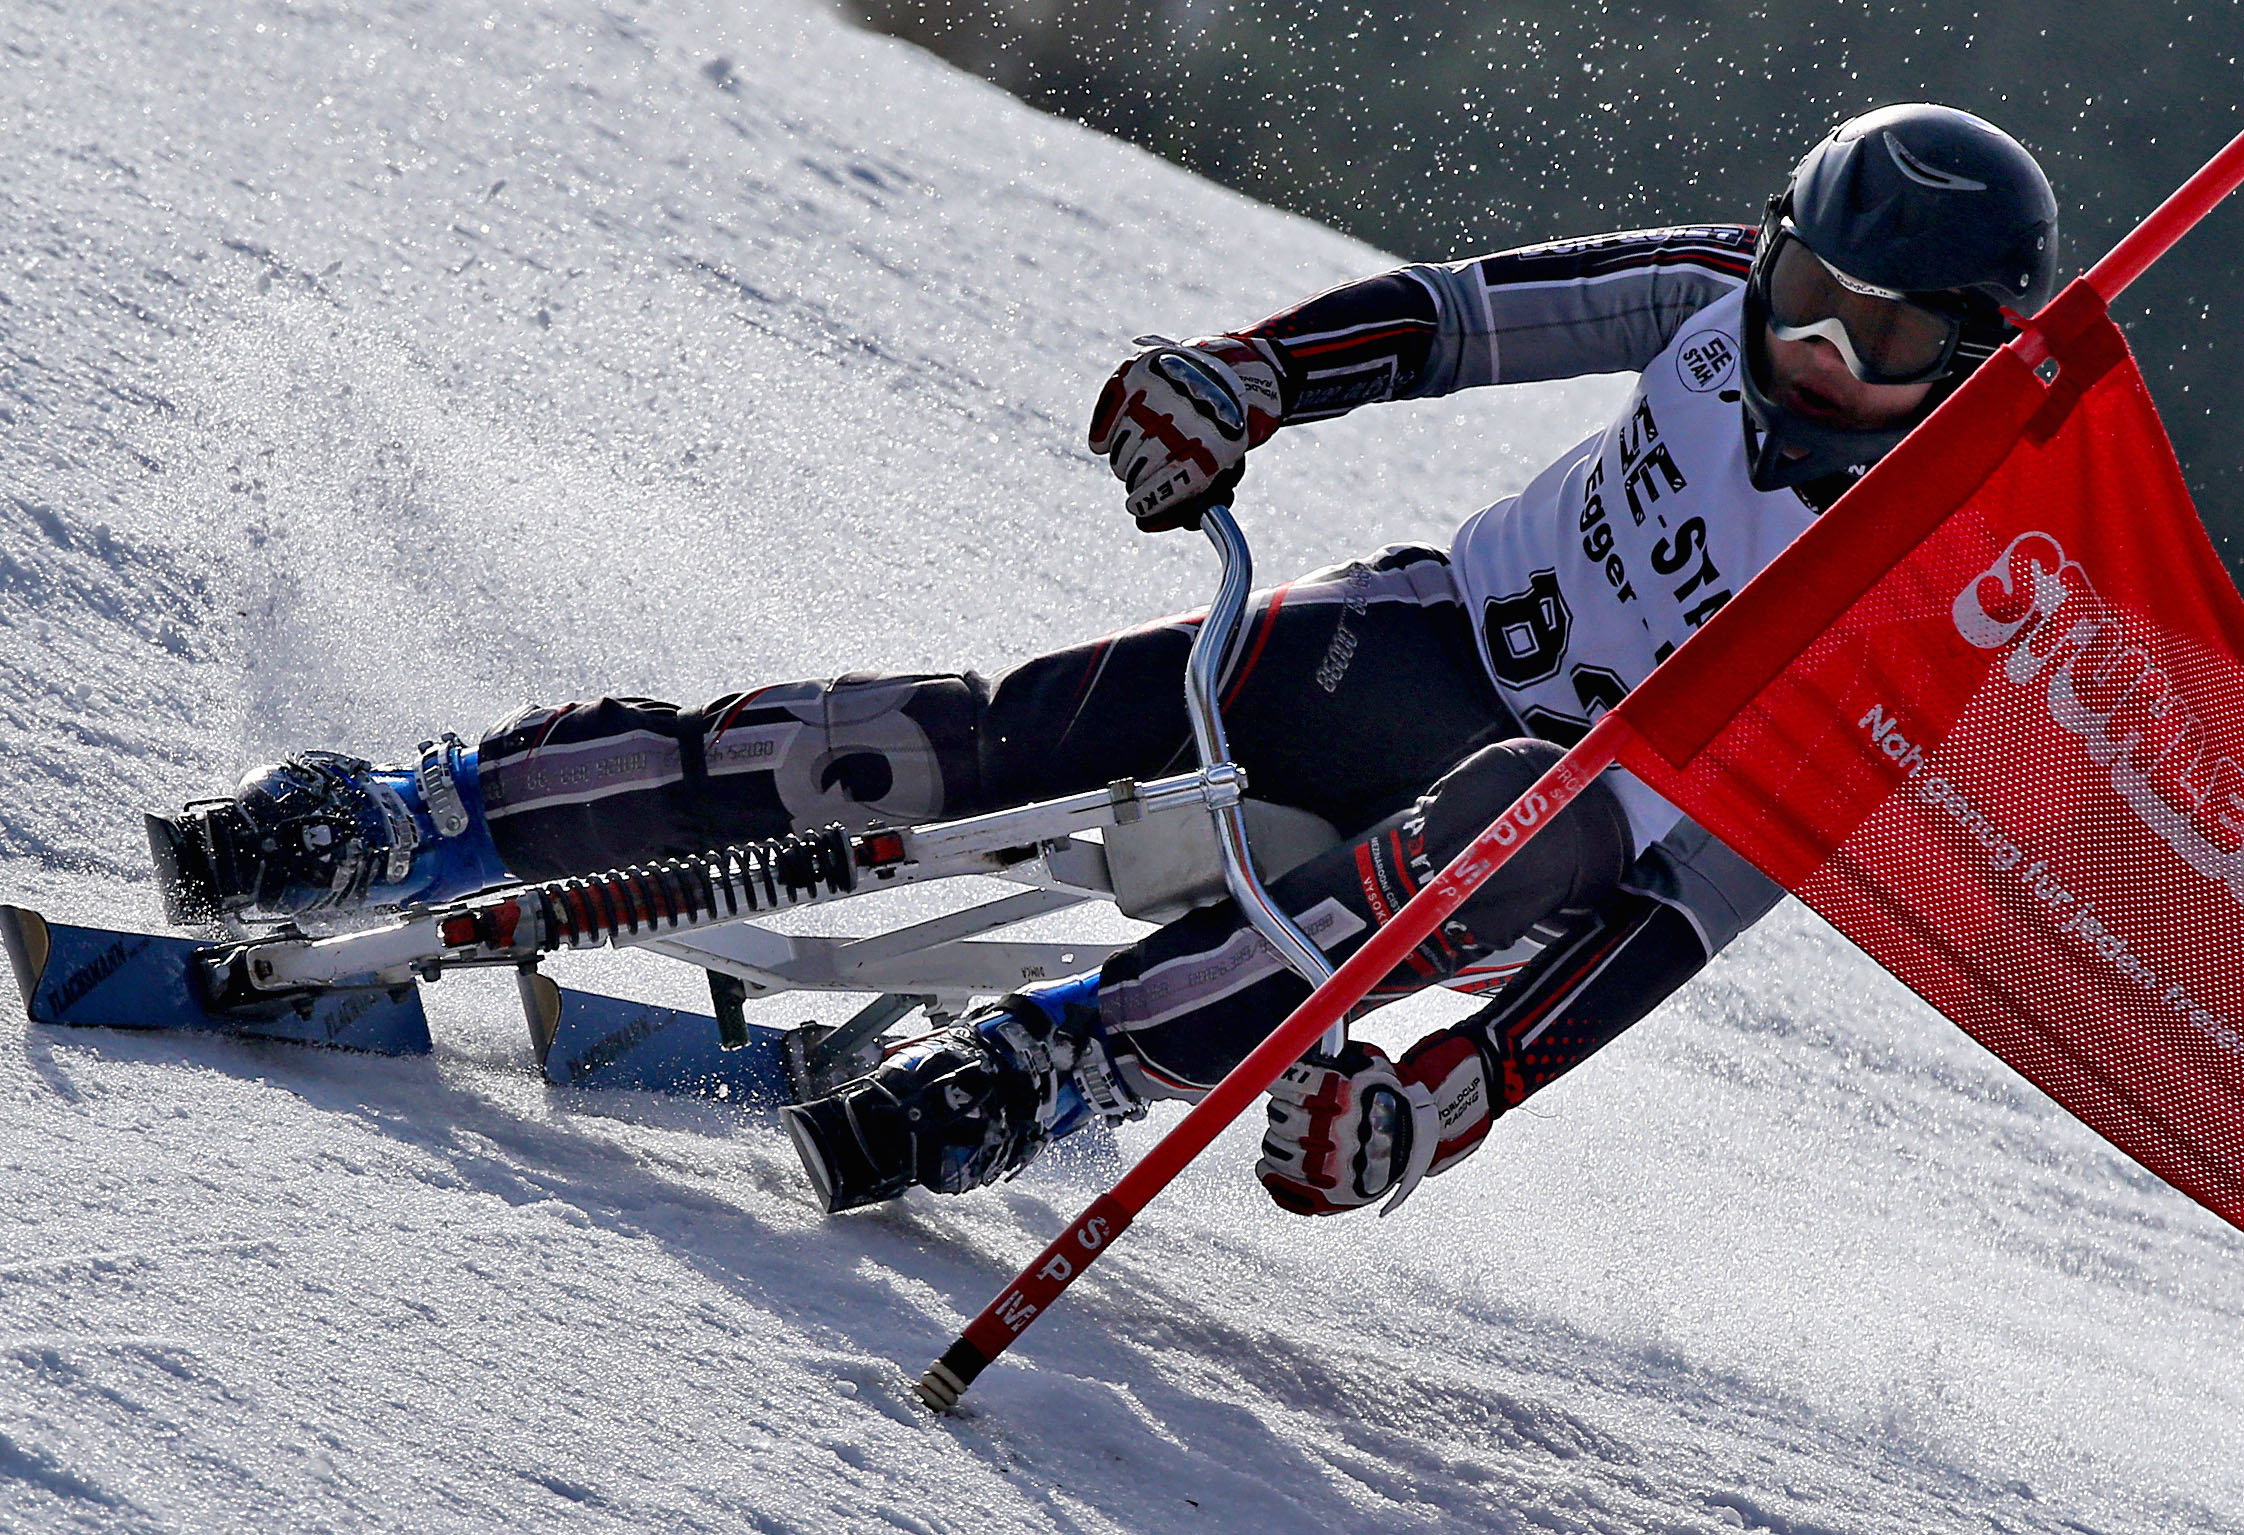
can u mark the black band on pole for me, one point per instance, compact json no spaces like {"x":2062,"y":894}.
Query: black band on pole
{"x":947,"y":1378}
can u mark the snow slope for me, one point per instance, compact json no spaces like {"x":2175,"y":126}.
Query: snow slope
{"x":367,"y":369}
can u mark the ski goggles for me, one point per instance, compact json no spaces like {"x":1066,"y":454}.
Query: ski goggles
{"x":1885,"y":337}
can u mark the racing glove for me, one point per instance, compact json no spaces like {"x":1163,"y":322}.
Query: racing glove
{"x":1176,"y":422}
{"x":1349,"y":1132}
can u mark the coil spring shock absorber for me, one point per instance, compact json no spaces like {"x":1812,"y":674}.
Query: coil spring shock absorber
{"x":675,"y":893}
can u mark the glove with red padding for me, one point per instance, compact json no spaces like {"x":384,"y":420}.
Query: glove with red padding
{"x":1346,"y":1133}
{"x":1176,"y":422}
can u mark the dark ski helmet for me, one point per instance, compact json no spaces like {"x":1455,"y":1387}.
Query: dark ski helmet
{"x":1918,"y":203}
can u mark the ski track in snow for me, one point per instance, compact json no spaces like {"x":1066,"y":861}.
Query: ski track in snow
{"x":367,"y":370}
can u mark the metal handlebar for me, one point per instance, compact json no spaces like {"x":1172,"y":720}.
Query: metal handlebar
{"x":1203,"y":673}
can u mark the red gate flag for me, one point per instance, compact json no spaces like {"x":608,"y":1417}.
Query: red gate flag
{"x":1987,"y":720}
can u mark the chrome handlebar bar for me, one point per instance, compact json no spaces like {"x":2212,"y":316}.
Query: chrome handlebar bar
{"x":1203,"y":674}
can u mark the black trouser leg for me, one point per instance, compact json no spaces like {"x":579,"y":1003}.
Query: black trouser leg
{"x":1350,"y":691}
{"x":1185,"y":1004}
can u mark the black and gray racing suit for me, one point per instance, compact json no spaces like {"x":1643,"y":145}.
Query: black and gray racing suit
{"x":1406,"y":697}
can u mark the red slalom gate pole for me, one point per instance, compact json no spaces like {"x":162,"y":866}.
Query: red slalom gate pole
{"x":1032,"y":1292}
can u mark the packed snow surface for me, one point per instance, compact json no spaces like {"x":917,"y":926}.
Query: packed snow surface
{"x":369,"y":369}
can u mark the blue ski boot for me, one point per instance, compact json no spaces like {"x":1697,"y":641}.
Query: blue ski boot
{"x":326,"y":834}
{"x":966,"y":1105}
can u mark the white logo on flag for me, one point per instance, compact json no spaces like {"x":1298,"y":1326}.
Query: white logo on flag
{"x":2124,"y":707}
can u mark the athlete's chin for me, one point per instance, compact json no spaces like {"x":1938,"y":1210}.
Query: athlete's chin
{"x":1823,"y":410}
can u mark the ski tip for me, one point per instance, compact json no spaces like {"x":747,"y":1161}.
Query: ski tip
{"x":183,"y":872}
{"x":947,"y":1378}
{"x":29,"y":944}
{"x":541,"y":1009}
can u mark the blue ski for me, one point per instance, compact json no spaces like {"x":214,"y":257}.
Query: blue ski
{"x":100,"y":977}
{"x":94,"y":977}
{"x":587,"y":1040}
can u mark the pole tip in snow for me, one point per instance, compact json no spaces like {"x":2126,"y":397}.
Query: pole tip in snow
{"x":947,"y":1378}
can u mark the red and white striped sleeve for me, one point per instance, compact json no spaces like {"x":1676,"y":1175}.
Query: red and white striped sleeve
{"x":1574,"y":307}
